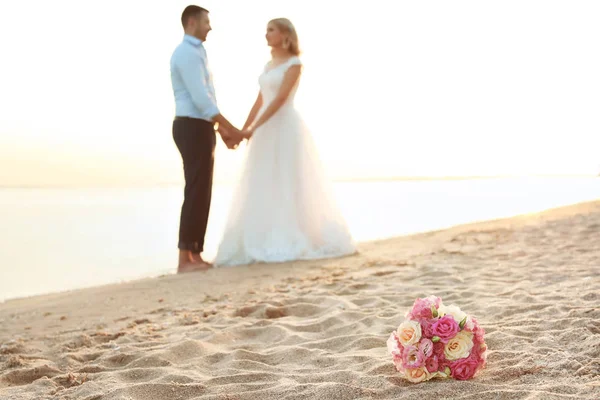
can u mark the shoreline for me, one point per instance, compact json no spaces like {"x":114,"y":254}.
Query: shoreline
{"x":161,"y":185}
{"x":361,"y":245}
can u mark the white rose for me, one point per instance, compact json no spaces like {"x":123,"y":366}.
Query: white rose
{"x":417,"y":375}
{"x":409,"y":332}
{"x":452,"y":310}
{"x":459,"y":346}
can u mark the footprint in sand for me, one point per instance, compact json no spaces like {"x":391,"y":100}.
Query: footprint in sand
{"x":13,"y":347}
{"x":26,"y":376}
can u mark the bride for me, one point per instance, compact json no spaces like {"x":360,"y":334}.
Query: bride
{"x":282,"y":208}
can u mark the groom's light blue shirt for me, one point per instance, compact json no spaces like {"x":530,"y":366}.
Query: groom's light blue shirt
{"x":192,"y":82}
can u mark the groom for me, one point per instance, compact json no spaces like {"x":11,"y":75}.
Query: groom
{"x":194,"y":134}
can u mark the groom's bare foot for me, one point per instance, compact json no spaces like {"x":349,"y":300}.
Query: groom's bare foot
{"x":192,"y":267}
{"x":189,"y":262}
{"x":197,"y":259}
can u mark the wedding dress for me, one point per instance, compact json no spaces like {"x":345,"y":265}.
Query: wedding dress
{"x":282,"y":208}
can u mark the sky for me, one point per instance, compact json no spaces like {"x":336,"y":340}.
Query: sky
{"x":389,"y":88}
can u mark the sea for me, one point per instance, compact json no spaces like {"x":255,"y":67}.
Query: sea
{"x":59,"y":239}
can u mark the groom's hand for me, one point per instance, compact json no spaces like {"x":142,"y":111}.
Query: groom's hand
{"x":232,"y":144}
{"x":231,"y":138}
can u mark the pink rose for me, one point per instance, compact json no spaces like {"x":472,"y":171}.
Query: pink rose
{"x":422,"y":307}
{"x":445,"y":328}
{"x":432,"y":364}
{"x":464,"y":368}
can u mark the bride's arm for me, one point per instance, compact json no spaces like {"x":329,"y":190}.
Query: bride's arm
{"x":257,"y":105}
{"x":289,"y":80}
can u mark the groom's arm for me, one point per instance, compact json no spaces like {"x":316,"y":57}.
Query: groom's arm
{"x":189,"y":67}
{"x":194,"y":79}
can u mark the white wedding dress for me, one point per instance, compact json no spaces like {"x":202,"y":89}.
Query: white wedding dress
{"x":282,"y":208}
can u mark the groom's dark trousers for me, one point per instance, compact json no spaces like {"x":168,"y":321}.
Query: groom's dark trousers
{"x":196,"y":140}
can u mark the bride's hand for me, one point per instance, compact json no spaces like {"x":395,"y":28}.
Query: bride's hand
{"x":248,"y":132}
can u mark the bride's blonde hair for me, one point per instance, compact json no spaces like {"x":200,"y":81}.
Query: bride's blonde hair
{"x":290,"y":43}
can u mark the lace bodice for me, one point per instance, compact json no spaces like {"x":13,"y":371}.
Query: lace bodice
{"x":272,"y":77}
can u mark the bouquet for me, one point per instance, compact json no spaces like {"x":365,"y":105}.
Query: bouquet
{"x":437,"y":341}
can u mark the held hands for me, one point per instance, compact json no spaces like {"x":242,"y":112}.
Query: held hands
{"x":248,"y":132}
{"x":233,"y":137}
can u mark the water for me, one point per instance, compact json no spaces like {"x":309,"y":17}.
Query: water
{"x":60,"y":239}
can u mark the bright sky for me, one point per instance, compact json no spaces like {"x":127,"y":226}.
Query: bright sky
{"x":390,"y":88}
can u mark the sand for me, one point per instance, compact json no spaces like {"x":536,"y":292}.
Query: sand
{"x":318,"y":330}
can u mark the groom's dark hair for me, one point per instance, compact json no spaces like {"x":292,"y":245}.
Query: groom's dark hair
{"x":189,"y":12}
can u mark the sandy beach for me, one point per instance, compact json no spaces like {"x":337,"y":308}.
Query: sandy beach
{"x":318,"y":330}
